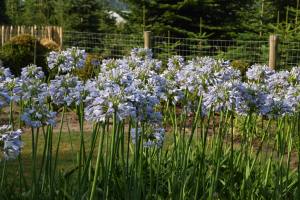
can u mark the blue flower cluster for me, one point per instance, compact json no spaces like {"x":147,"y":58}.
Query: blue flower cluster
{"x":68,"y":60}
{"x":132,"y":87}
{"x":10,"y":143}
{"x":38,"y":114}
{"x":66,"y":89}
{"x":141,"y":53}
{"x":152,"y":135}
{"x":32,"y":72}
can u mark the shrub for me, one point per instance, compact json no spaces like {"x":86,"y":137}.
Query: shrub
{"x":89,"y":70}
{"x":19,"y":52}
{"x":242,"y":66}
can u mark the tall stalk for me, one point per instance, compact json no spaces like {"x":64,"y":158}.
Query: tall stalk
{"x":99,"y":155}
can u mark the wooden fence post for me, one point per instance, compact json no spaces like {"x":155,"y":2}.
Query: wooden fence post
{"x":11,"y":32}
{"x":35,"y":33}
{"x":6,"y":33}
{"x":2,"y":43}
{"x":49,"y":32}
{"x":54,"y":33}
{"x":60,"y":38}
{"x":147,"y":39}
{"x":22,"y":29}
{"x":18,"y":30}
{"x":274,"y":40}
{"x":32,"y":33}
{"x":15,"y":30}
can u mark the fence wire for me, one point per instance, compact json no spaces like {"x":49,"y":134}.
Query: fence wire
{"x":119,"y":45}
{"x":288,"y":54}
{"x":106,"y":45}
{"x":247,"y":51}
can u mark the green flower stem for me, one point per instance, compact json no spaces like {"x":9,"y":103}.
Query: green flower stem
{"x":141,"y":178}
{"x":202,"y":163}
{"x":98,"y":161}
{"x":127,"y":158}
{"x":136,"y":160}
{"x":45,"y":178}
{"x":106,"y":140}
{"x":216,"y":161}
{"x":151,"y":173}
{"x":298,"y":167}
{"x":112,"y":158}
{"x":231,"y":158}
{"x":2,"y":179}
{"x":82,"y":148}
{"x":11,"y":122}
{"x":70,"y":141}
{"x":59,"y":137}
{"x":43,"y":157}
{"x":93,"y":143}
{"x":123,"y":156}
{"x":19,"y":156}
{"x":189,"y":143}
{"x":159,"y":157}
{"x":166,"y":114}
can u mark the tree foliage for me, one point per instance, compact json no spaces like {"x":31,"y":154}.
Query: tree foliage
{"x":213,"y":19}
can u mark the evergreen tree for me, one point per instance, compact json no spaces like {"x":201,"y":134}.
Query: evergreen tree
{"x":221,"y":17}
{"x":14,"y":9}
{"x":37,"y":12}
{"x":162,"y":16}
{"x":254,"y":20}
{"x":87,"y":16}
{"x":3,"y":15}
{"x":182,"y":17}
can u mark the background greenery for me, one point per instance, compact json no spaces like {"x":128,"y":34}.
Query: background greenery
{"x":231,"y":19}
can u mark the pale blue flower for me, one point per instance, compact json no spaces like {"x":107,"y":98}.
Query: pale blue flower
{"x":10,"y":143}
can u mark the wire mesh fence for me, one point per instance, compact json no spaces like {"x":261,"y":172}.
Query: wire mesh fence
{"x":247,"y":51}
{"x":288,"y":54}
{"x":119,"y":45}
{"x":107,"y":45}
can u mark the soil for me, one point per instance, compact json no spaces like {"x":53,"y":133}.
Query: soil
{"x":74,"y":126}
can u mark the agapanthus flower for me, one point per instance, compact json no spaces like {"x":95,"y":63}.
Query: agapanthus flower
{"x":68,"y":60}
{"x":66,"y":89}
{"x":201,"y":73}
{"x":175,"y":62}
{"x":221,"y":97}
{"x":55,"y":59}
{"x":108,"y":65}
{"x":255,"y":97}
{"x":278,"y":82}
{"x":276,"y":107}
{"x":141,"y":53}
{"x":75,"y":57}
{"x":29,"y":88}
{"x":292,"y":97}
{"x":152,"y":135}
{"x":38,"y":114}
{"x":32,"y":72}
{"x":4,"y":99}
{"x":95,"y":62}
{"x":4,"y":73}
{"x":104,"y":103}
{"x":10,"y":143}
{"x":294,"y":78}
{"x":259,"y":73}
{"x":126,"y":93}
